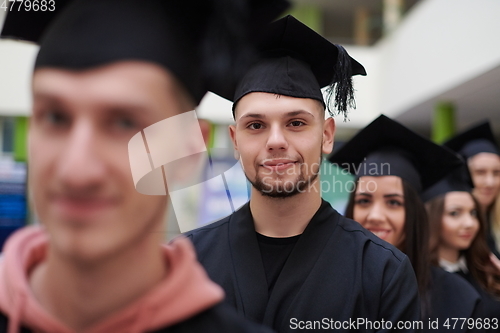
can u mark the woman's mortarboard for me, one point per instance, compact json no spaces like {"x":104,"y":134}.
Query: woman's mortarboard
{"x":297,"y":62}
{"x":458,"y":180}
{"x":203,"y":42}
{"x":475,"y":140}
{"x":387,"y":148}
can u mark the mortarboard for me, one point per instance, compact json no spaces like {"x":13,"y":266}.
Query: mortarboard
{"x":202,"y":42}
{"x":387,"y":148}
{"x":296,"y":61}
{"x":458,"y":180}
{"x":475,"y":140}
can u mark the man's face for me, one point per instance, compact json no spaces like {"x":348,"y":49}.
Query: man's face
{"x":280,"y":140}
{"x":78,"y":151}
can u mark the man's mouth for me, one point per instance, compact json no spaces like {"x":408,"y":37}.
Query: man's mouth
{"x":77,"y":206}
{"x":278,"y":164}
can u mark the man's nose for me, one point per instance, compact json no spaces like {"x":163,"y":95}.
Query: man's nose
{"x":276,"y":139}
{"x":80,"y":164}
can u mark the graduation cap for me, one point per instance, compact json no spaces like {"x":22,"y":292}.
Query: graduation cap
{"x":296,"y":61}
{"x":458,"y":180}
{"x":387,"y":148}
{"x":475,"y":140}
{"x":202,"y":42}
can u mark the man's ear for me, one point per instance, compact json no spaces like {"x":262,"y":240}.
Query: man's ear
{"x":232,"y":134}
{"x":328,"y":135}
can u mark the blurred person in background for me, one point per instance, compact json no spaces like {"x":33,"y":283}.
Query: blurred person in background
{"x":478,"y":146}
{"x":393,"y":165}
{"x":107,"y":69}
{"x":458,"y":241}
{"x":287,"y":258}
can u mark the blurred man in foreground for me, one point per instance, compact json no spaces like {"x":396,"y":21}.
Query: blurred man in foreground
{"x":106,"y":70}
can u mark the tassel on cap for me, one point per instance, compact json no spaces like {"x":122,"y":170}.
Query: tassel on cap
{"x":341,"y":88}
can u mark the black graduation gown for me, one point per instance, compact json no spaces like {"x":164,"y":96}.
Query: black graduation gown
{"x":218,"y":319}
{"x":489,"y":306}
{"x":337,"y":270}
{"x":451,"y":296}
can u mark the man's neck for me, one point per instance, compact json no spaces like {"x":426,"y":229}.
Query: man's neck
{"x":284,"y":217}
{"x":80,"y":296}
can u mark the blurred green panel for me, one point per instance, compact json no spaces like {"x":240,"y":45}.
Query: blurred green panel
{"x":310,"y":15}
{"x":443,"y":123}
{"x":20,"y":139}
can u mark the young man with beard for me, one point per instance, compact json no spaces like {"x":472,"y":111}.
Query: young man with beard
{"x":287,"y":258}
{"x":106,"y":70}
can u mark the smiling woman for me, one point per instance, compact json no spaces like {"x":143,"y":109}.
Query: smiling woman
{"x":390,"y":207}
{"x":458,"y":238}
{"x":386,"y":201}
{"x":381,"y":210}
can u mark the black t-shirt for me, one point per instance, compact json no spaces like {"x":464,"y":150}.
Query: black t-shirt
{"x":275,"y":252}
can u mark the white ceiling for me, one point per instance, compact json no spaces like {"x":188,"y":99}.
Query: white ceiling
{"x":476,"y":99}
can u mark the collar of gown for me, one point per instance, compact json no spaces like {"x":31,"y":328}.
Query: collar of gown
{"x":453,"y":267}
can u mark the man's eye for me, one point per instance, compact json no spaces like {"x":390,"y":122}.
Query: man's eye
{"x":125,"y":123}
{"x":297,"y":123}
{"x":56,"y":118}
{"x":255,"y":126}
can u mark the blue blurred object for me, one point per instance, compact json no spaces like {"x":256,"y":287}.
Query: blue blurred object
{"x":13,"y":209}
{"x":225,"y":193}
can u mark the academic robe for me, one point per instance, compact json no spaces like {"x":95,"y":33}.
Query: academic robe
{"x":218,"y":319}
{"x":451,"y":296}
{"x":337,"y":272}
{"x":490,"y":305}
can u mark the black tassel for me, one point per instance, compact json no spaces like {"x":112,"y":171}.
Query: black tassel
{"x":341,"y":85}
